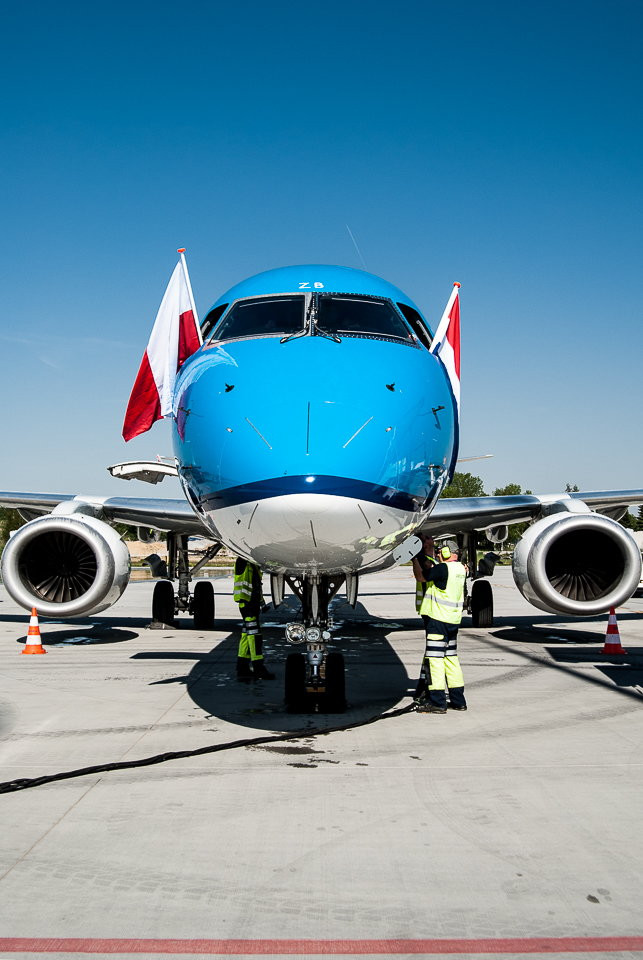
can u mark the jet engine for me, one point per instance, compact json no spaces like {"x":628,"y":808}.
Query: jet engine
{"x":576,"y":564}
{"x":66,"y":566}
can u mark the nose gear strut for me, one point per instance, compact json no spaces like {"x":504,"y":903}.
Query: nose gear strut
{"x":315,"y":680}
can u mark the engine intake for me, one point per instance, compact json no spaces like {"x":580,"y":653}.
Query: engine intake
{"x":579,"y":564}
{"x":66,"y":566}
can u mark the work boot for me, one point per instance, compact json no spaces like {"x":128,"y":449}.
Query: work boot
{"x":243,"y":670}
{"x":260,"y":672}
{"x":425,"y":706}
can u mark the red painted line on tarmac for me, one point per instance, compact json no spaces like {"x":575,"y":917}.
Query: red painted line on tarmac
{"x":550,"y":945}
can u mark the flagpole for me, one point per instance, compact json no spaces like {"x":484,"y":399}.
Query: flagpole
{"x":444,"y":321}
{"x":181,"y":250}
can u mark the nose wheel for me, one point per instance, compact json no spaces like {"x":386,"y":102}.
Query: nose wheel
{"x":324,"y":692}
{"x":315,"y":680}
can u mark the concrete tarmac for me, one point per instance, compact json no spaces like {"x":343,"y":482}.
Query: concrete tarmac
{"x":512,"y":828}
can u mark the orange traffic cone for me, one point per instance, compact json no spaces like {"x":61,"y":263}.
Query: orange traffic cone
{"x":33,"y":644}
{"x":612,"y":637}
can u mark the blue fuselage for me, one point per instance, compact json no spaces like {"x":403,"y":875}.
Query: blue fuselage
{"x":313,"y":454}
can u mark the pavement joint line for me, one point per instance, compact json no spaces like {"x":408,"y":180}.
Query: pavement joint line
{"x":339,"y":947}
{"x":153,"y":725}
{"x":48,"y":831}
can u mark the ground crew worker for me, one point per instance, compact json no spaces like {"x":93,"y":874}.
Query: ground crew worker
{"x":249,"y":596}
{"x":422,"y":563}
{"x":441,"y":610}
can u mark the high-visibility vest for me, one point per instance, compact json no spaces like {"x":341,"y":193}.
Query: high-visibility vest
{"x":421,"y":585}
{"x":243,"y":583}
{"x":446,"y":605}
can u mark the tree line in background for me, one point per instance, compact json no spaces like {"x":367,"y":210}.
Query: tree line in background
{"x":462,"y":485}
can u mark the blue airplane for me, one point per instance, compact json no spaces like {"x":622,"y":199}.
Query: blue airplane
{"x":314,"y":431}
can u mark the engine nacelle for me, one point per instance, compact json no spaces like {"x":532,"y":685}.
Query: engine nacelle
{"x":66,"y":566}
{"x":576,"y":564}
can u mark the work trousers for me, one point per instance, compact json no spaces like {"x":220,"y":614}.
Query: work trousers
{"x":251,"y":642}
{"x":441,"y":667}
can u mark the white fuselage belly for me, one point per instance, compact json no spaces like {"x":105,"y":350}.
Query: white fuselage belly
{"x":312,"y":533}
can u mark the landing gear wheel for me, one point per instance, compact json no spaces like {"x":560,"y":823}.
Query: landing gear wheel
{"x":481,"y":604}
{"x":295,"y":687}
{"x":163,"y":602}
{"x":203,"y":605}
{"x":335,"y":699}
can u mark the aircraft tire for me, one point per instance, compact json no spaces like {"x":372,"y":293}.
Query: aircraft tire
{"x":295,"y":685}
{"x":481,"y":604}
{"x":335,"y":700}
{"x":163,"y":602}
{"x":203,"y":605}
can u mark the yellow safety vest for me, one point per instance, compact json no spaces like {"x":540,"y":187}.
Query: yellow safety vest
{"x":242,"y":592}
{"x":420,"y":587}
{"x":446,"y":605}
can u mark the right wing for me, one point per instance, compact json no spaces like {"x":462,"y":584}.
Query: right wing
{"x":465,"y":514}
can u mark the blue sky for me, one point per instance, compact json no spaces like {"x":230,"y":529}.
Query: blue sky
{"x":497,"y":144}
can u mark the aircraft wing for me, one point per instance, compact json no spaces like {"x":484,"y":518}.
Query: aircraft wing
{"x":161,"y":514}
{"x":479,"y":513}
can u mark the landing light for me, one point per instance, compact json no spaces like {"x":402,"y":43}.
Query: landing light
{"x":295,"y":633}
{"x":313,"y":635}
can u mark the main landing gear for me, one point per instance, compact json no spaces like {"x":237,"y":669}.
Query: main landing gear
{"x":315,"y":680}
{"x":480,"y":599}
{"x":200,"y":604}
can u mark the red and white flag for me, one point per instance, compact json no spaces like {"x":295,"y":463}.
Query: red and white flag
{"x":175,"y":336}
{"x":446,"y":343}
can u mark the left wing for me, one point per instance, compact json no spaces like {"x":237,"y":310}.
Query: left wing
{"x":174,"y":516}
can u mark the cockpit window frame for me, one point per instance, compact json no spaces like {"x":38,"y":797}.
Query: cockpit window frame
{"x":303,"y":294}
{"x":308,"y":296}
{"x":412,"y":340}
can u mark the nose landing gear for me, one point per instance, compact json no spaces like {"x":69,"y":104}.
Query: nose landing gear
{"x":315,"y":681}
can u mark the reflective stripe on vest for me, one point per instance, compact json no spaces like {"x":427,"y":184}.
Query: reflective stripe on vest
{"x":446,"y":605}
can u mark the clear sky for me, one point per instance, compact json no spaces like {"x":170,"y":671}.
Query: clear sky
{"x":497,"y":143}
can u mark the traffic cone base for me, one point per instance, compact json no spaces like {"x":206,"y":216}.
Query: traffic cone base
{"x":33,"y":644}
{"x":612,"y":637}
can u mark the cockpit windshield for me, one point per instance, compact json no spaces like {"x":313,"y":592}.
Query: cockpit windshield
{"x":315,"y":314}
{"x":355,"y":316}
{"x":263,"y":317}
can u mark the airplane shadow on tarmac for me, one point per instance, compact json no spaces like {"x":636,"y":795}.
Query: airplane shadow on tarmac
{"x":376,"y":679}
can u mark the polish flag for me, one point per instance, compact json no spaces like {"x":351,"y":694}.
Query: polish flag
{"x":175,"y":336}
{"x":446,"y":343}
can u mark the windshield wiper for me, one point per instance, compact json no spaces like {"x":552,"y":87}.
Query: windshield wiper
{"x":304,"y":330}
{"x":320,"y":332}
